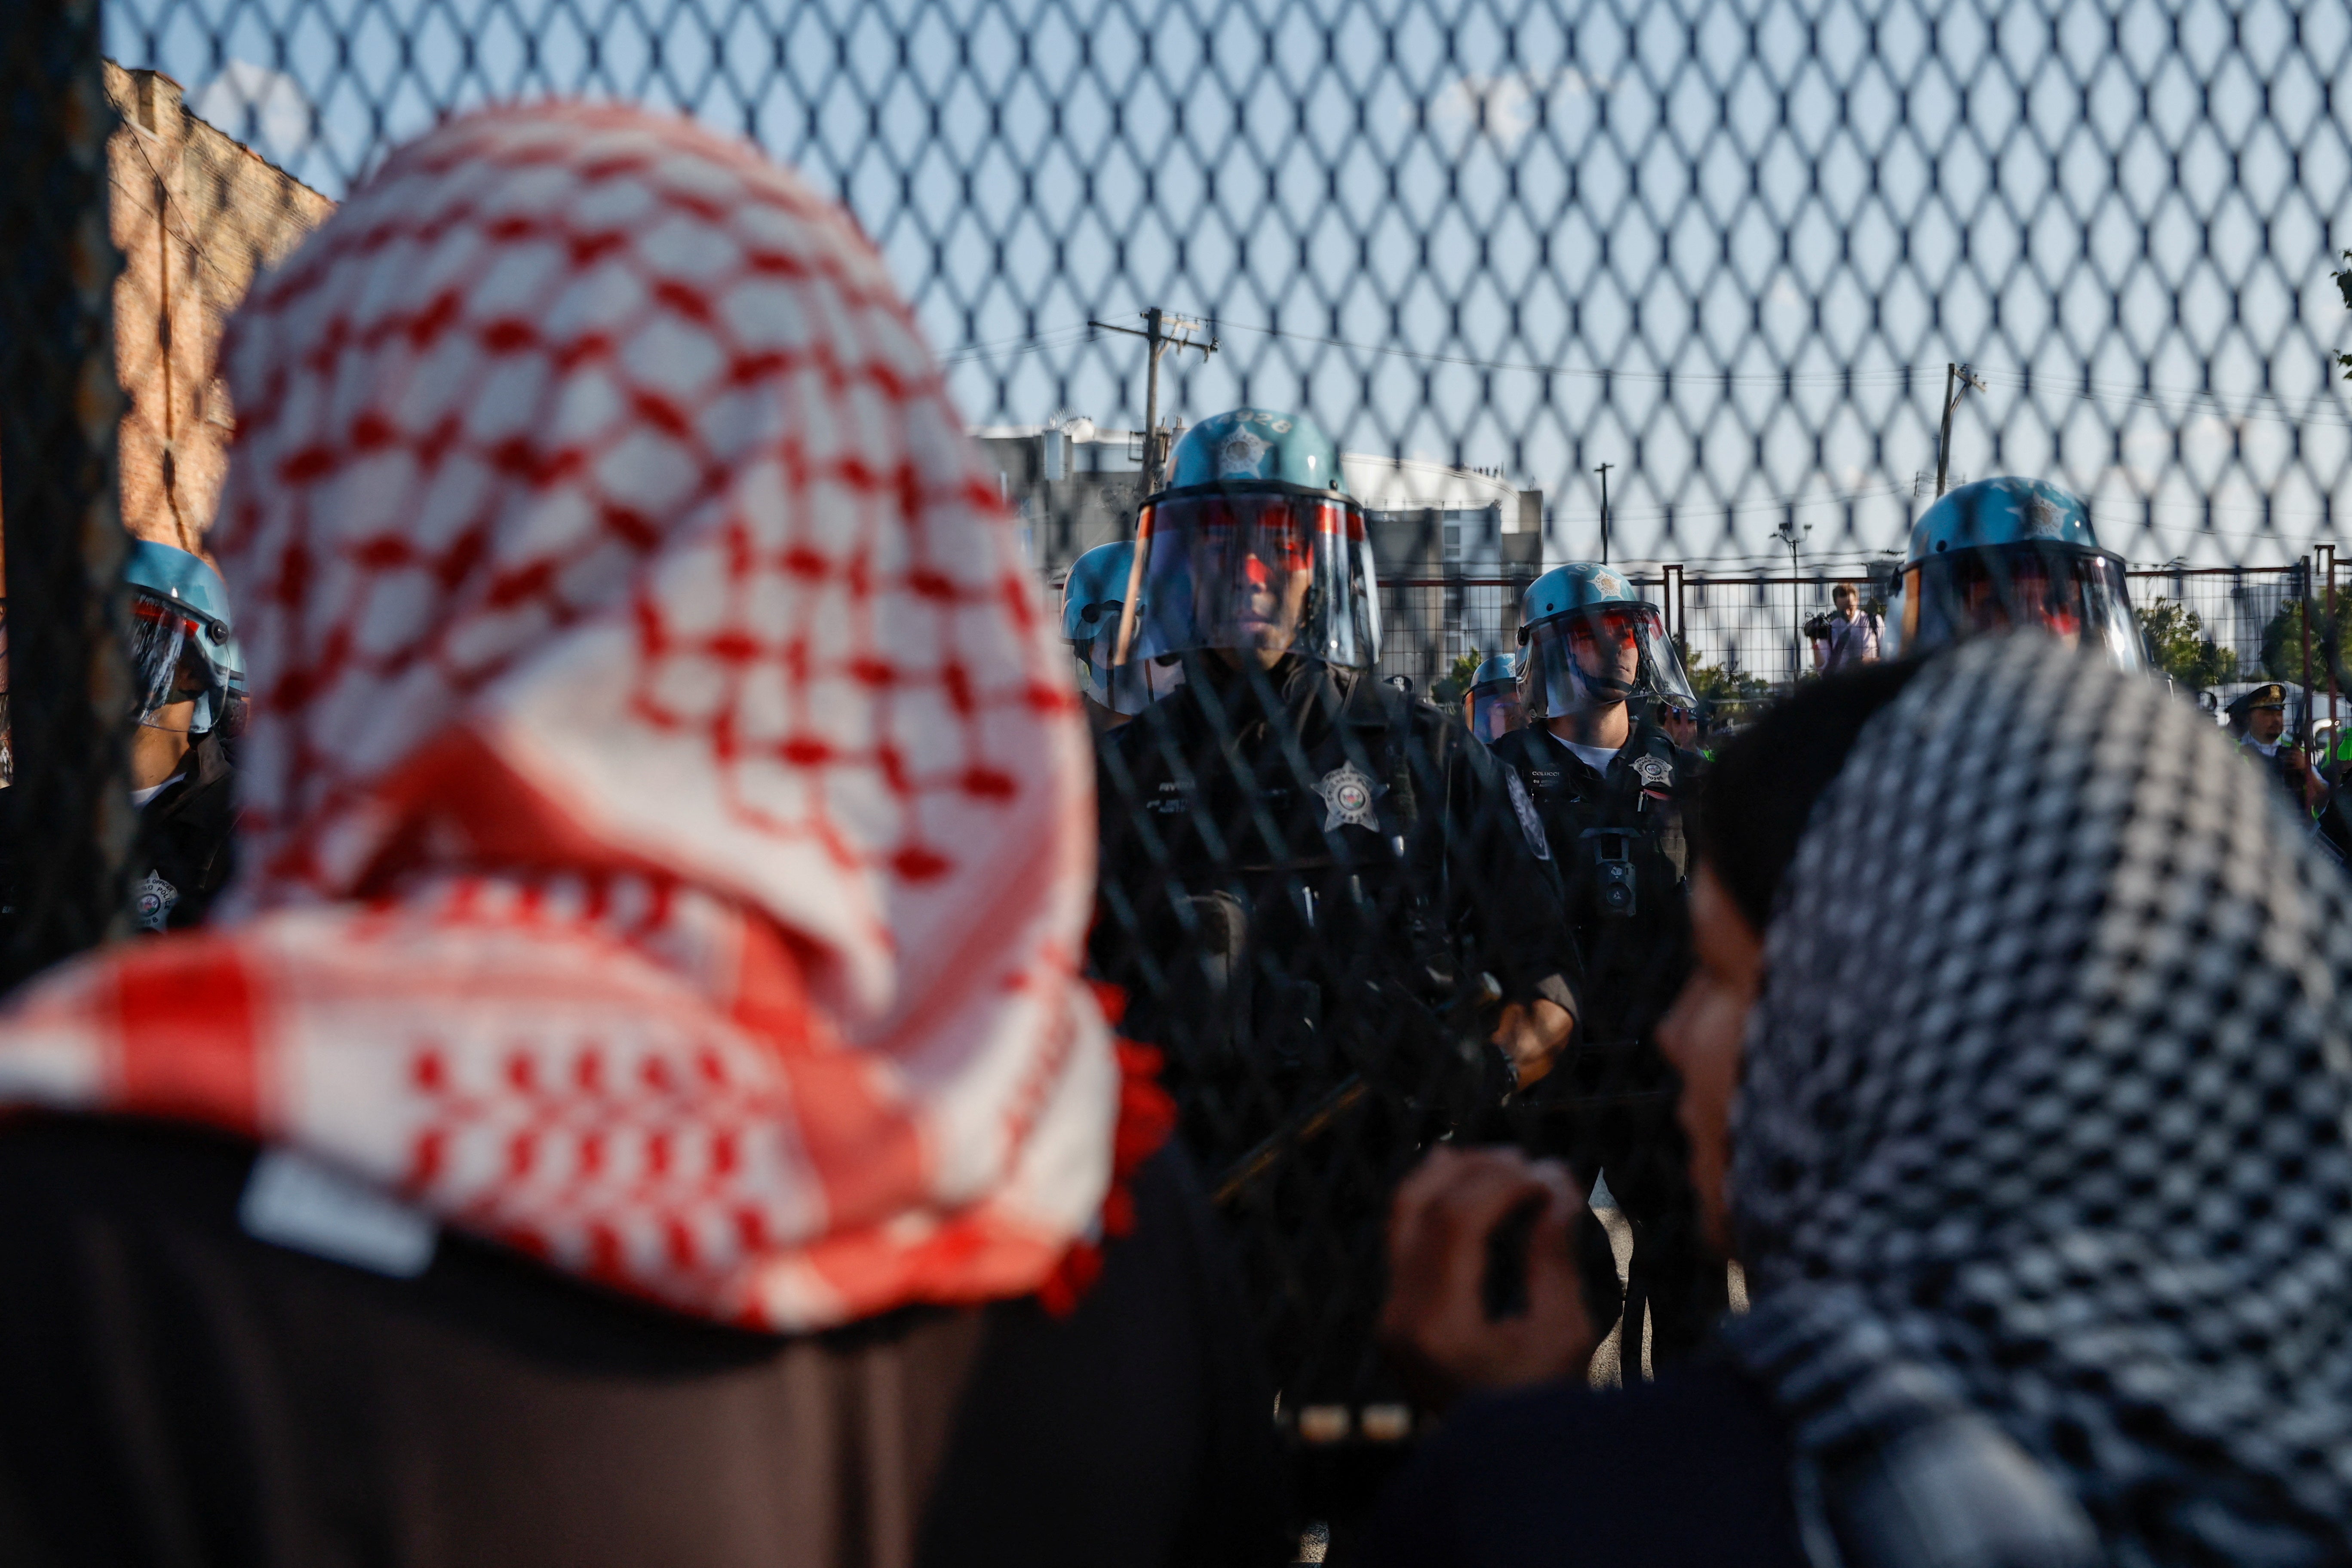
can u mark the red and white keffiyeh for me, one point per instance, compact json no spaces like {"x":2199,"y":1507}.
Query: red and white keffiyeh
{"x":669,"y":841}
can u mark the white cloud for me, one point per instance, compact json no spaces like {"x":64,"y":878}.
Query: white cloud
{"x":265,"y":109}
{"x":1504,"y":108}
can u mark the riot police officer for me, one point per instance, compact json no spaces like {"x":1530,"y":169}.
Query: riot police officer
{"x":1491,"y":706}
{"x":1313,"y":888}
{"x":188,"y":689}
{"x":1600,"y":787}
{"x":2013,"y":553}
{"x":1093,"y":597}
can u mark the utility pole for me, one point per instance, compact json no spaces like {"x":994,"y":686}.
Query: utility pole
{"x":1789,"y":533}
{"x":1162,"y":330}
{"x":1603,"y":471}
{"x":1958,"y":378}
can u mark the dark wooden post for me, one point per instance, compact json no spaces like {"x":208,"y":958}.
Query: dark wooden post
{"x":67,"y":819}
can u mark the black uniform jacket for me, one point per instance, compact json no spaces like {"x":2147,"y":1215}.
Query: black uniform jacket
{"x":1632,"y":925}
{"x":180,"y":1392}
{"x":1289,"y":858}
{"x":1304,"y":877}
{"x":186,"y":847}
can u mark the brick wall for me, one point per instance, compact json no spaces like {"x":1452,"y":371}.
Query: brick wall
{"x":197,"y":214}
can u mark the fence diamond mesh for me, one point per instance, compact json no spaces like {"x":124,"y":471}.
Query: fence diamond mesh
{"x":1721,"y":262}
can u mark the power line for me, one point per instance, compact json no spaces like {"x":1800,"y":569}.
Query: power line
{"x":1007,"y":348}
{"x":1889,"y":375}
{"x":2319,"y":409}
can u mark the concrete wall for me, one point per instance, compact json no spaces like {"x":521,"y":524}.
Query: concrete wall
{"x":1093,"y":501}
{"x":197,"y":214}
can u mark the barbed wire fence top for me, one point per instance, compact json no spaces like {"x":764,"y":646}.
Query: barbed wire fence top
{"x":1727,"y":246}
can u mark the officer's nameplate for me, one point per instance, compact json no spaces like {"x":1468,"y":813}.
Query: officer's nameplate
{"x":1348,"y":795}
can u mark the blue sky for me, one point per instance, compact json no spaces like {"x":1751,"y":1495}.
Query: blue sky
{"x":1728,"y":246}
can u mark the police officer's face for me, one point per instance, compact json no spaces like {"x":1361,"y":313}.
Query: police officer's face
{"x":2031,"y":599}
{"x":1682,"y":727}
{"x":2267,"y":724}
{"x":1607,"y":646}
{"x":1701,"y":1037}
{"x":188,"y":686}
{"x":1266,"y":589}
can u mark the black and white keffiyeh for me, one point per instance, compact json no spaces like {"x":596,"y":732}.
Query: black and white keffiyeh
{"x":2044,"y":1120}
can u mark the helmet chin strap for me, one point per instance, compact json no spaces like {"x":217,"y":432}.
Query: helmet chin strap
{"x":1600,"y":690}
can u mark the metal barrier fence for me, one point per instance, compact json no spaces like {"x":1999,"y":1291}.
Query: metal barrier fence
{"x":1744,"y":636}
{"x":1751,"y":272}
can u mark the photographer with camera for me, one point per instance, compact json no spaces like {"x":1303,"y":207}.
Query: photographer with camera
{"x":1846,"y":637}
{"x":1600,"y":787}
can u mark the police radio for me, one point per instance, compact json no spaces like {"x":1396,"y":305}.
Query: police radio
{"x":1614,"y":868}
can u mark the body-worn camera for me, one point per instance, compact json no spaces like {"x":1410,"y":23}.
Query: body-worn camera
{"x":1614,"y":871}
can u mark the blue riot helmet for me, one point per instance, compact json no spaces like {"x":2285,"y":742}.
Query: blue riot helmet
{"x":1493,"y":704}
{"x":1254,"y":547}
{"x":1094,"y":596}
{"x":1587,"y":640}
{"x":2013,"y":553}
{"x":182,"y":649}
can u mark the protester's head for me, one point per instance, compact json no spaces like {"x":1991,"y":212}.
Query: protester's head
{"x":1753,"y":810}
{"x":651,"y":710}
{"x":2043,"y":1102}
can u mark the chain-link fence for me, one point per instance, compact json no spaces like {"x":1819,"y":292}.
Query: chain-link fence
{"x":1742,"y":636}
{"x":1713,"y":263}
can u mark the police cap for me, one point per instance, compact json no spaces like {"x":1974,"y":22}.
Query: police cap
{"x":2269,"y":694}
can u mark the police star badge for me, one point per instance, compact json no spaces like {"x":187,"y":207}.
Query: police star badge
{"x":1348,"y":795}
{"x":1239,"y":456}
{"x":1655,"y":773}
{"x":153,"y":899}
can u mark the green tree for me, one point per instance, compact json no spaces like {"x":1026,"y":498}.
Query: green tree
{"x":1446,"y":689}
{"x":2283,"y":644}
{"x":1724,"y":682}
{"x":2183,"y":651}
{"x":2343,"y":286}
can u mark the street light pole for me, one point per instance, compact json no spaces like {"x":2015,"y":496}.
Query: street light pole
{"x":1603,"y":471}
{"x":1789,"y":533}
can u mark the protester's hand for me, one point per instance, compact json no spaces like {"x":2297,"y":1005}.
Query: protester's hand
{"x":1434,"y":1324}
{"x":1533,"y":1035}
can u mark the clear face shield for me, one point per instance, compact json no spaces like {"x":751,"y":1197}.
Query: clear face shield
{"x":1256,"y":573}
{"x":1495,"y":709}
{"x":176,"y":683}
{"x":1127,"y":688}
{"x":2075,"y":594}
{"x":1593,"y":657}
